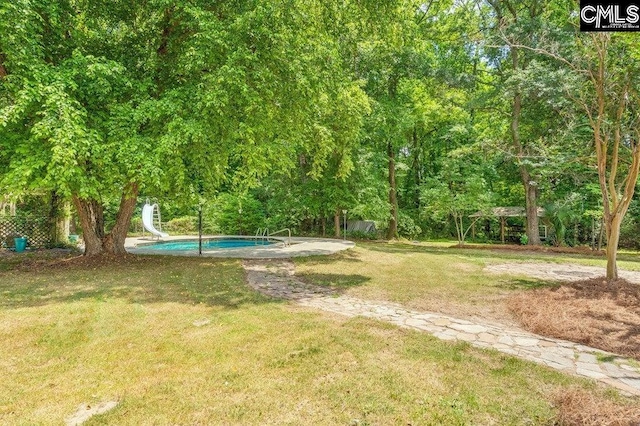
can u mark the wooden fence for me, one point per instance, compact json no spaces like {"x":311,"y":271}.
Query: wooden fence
{"x":36,"y":229}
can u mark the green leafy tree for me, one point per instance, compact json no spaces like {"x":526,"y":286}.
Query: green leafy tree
{"x":458,"y":191}
{"x":611,"y":104}
{"x":239,"y":214}
{"x":103,"y":100}
{"x":604,"y":86}
{"x":527,"y":88}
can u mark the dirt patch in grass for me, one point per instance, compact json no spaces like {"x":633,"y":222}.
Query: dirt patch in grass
{"x":579,"y":408}
{"x":33,"y":259}
{"x":61,"y":259}
{"x":593,"y":312}
{"x":532,"y":249}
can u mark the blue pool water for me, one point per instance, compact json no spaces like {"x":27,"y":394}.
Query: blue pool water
{"x":213,"y":244}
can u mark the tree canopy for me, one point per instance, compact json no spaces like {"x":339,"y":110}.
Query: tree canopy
{"x":413,"y":115}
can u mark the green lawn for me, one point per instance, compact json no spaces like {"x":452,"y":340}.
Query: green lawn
{"x":434,"y":276}
{"x":83,"y":333}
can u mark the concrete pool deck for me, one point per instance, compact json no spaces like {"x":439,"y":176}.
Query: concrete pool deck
{"x":300,"y":246}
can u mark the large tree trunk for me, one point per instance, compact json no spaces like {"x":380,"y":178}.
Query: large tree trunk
{"x":613,"y":238}
{"x":336,"y":223}
{"x":91,"y":214}
{"x":531,"y":207}
{"x":114,"y":241}
{"x":392,"y":231}
{"x":530,"y":187}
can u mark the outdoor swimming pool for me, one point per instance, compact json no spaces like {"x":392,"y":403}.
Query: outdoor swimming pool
{"x":237,"y":246}
{"x":207,"y":244}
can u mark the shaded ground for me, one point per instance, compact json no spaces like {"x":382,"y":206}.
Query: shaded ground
{"x":186,"y":341}
{"x":593,"y":312}
{"x":34,"y":259}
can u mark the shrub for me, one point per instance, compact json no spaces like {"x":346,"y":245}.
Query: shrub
{"x":361,"y":235}
{"x":136,"y":224}
{"x":9,"y":241}
{"x":407,"y":226}
{"x":629,"y":233}
{"x":240,"y":214}
{"x":182,"y":225}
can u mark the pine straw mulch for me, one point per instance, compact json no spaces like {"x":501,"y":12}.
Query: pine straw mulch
{"x":579,"y":408}
{"x":592,"y":312}
{"x":595,"y":313}
{"x":581,"y":250}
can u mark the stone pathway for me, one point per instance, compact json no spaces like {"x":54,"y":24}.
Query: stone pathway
{"x":275,"y":278}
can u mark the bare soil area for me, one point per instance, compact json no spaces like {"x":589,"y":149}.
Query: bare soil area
{"x":533,"y":249}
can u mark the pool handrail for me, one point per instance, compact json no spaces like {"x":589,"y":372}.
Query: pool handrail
{"x":262,"y":233}
{"x":288,"y":242}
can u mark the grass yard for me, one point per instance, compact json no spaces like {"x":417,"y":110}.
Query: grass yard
{"x":429,"y":278}
{"x":185,"y":341}
{"x":436,"y":277}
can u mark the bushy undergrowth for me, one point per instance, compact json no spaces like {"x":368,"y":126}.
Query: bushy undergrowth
{"x":182,"y":225}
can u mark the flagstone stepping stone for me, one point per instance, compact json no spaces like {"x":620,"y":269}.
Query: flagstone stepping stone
{"x":86,"y":411}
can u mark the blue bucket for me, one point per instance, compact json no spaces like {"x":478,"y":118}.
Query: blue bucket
{"x":21,"y":244}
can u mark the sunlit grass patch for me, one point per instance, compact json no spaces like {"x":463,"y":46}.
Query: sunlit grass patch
{"x":435,"y":277}
{"x":424,"y":278}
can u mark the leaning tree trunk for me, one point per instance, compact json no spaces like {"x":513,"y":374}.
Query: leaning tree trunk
{"x":91,"y":215}
{"x":113,"y":242}
{"x":392,"y":231}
